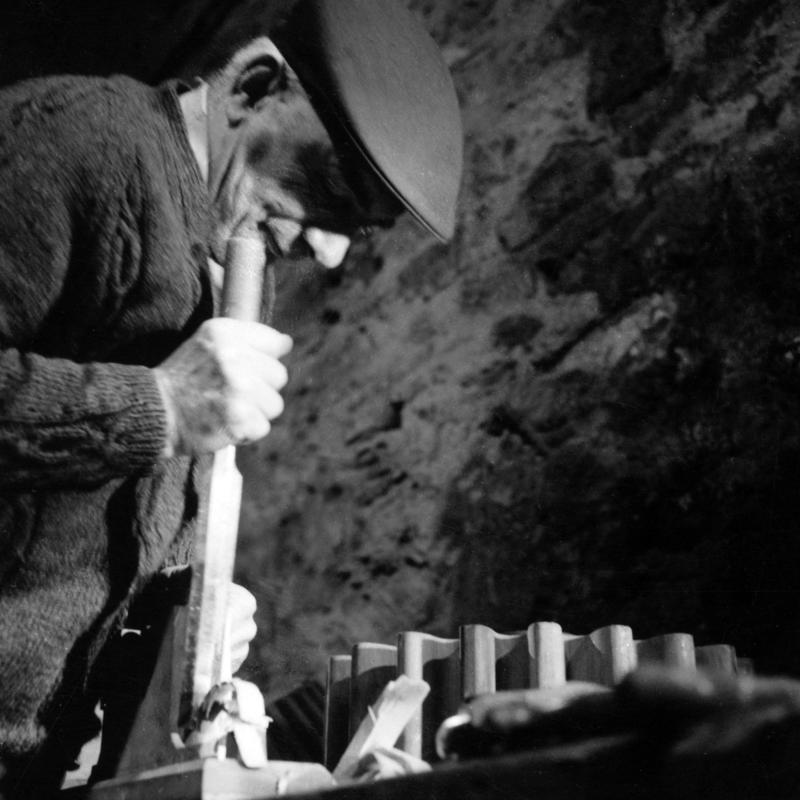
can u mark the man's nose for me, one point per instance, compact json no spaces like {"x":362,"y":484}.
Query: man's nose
{"x":329,"y":248}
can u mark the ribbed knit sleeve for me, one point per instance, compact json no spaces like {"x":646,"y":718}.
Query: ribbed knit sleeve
{"x":104,"y":221}
{"x":97,"y":281}
{"x":68,"y":424}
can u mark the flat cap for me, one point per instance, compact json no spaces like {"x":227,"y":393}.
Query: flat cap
{"x":375,"y":72}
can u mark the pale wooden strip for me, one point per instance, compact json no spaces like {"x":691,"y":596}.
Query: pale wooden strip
{"x":547,"y":665}
{"x":717,"y":658}
{"x":383,"y":723}
{"x":671,"y":650}
{"x":373,"y":666}
{"x":493,"y":661}
{"x":437,"y":662}
{"x":337,"y":709}
{"x":477,"y":660}
{"x":511,"y":661}
{"x":605,"y":656}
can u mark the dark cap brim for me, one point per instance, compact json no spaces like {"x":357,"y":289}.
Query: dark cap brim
{"x":371,"y":66}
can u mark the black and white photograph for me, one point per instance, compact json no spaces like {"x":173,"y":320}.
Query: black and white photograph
{"x":400,"y":399}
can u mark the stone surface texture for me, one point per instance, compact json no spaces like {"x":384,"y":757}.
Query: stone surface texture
{"x":586,"y":407}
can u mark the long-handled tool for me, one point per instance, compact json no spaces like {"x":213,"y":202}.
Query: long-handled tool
{"x":174,"y":746}
{"x":218,"y":524}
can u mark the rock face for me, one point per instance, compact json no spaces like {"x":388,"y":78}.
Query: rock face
{"x":585,"y":408}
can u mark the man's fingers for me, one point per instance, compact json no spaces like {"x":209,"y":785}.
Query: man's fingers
{"x":243,"y":631}
{"x":222,"y":330}
{"x":267,"y":372}
{"x":241,"y":602}
{"x":244,"y":422}
{"x":222,"y":386}
{"x":241,"y":608}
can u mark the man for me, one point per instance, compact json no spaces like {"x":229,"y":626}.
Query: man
{"x":114,"y":379}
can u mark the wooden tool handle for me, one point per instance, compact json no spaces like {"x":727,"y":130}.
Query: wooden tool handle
{"x":215,"y":540}
{"x":243,"y":287}
{"x":141,"y":733}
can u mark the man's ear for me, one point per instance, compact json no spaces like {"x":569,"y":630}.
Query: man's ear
{"x":262,"y":76}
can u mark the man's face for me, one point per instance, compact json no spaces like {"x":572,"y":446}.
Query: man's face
{"x":282,"y":178}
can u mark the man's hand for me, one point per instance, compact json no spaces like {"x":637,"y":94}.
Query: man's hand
{"x":222,"y":386}
{"x":241,"y":608}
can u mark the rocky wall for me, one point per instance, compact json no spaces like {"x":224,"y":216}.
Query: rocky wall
{"x":586,"y":407}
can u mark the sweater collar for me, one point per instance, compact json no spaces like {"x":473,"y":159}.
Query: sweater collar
{"x":194,"y":105}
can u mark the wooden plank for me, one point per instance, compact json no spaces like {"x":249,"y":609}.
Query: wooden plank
{"x":214,"y":552}
{"x":477,"y":660}
{"x":337,"y":709}
{"x":373,"y":666}
{"x":493,"y":661}
{"x":206,"y":653}
{"x":436,"y":661}
{"x":605,"y":656}
{"x":140,"y":730}
{"x":548,"y":665}
{"x":383,"y":723}
{"x":717,"y":658}
{"x":147,"y":732}
{"x":511,"y":661}
{"x":671,"y":649}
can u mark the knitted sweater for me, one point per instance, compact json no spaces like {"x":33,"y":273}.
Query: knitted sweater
{"x":103,"y":229}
